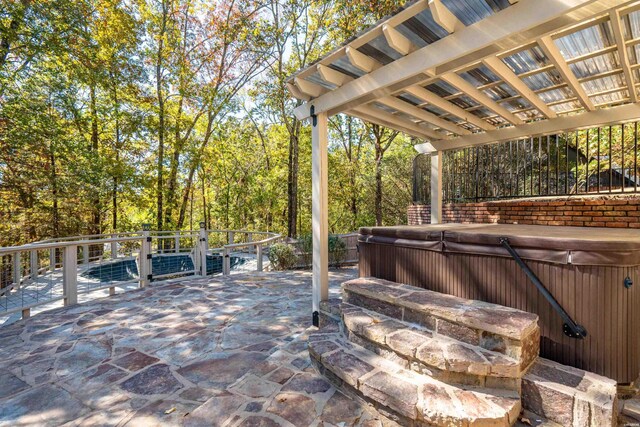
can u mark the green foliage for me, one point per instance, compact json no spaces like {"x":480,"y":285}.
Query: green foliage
{"x":282,"y":256}
{"x":337,"y":249}
{"x":86,"y":84}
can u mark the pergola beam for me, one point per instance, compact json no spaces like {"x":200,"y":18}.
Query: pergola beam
{"x":614,"y":16}
{"x":501,"y":70}
{"x":332,"y":76}
{"x":524,"y":22}
{"x":419,"y":113}
{"x":553,"y":53}
{"x":309,"y":88}
{"x":480,"y":97}
{"x":586,"y":120}
{"x":443,"y":16}
{"x":361,"y":61}
{"x":448,"y":107}
{"x":397,"y":41}
{"x":386,"y":119}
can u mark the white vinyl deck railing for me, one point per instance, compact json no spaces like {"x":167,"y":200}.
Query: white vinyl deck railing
{"x":62,"y":270}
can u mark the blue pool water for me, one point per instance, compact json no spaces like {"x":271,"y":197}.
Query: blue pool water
{"x":127,"y":269}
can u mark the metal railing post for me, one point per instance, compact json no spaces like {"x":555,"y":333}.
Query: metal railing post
{"x":231,"y":237}
{"x":226,"y":262}
{"x":85,"y":254}
{"x":114,"y":248}
{"x":145,"y":256}
{"x":203,"y":246}
{"x":70,"y":275}
{"x":17,"y":270}
{"x":33,"y":265}
{"x":259,"y":256}
{"x":177,"y":242}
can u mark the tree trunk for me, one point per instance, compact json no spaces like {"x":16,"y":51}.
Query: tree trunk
{"x":378,"y":198}
{"x":292,"y":186}
{"x":95,"y":226}
{"x":161,"y":120}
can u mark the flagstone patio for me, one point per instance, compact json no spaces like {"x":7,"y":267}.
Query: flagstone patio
{"x":208,"y":351}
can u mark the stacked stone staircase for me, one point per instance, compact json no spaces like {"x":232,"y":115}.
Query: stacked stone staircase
{"x":423,"y":358}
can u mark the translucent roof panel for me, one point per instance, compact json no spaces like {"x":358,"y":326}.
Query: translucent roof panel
{"x":380,"y":43}
{"x":516,"y":105}
{"x":565,"y":107}
{"x":442,"y":88}
{"x":424,"y":30}
{"x":383,"y":107}
{"x":610,"y":98}
{"x":540,"y":81}
{"x":631,"y":25}
{"x":315,"y":78}
{"x":410,"y":99}
{"x":500,"y":92}
{"x":526,"y":60}
{"x":471,"y":11}
{"x":555,"y":95}
{"x":479,"y":76}
{"x":464,"y":102}
{"x":343,"y":65}
{"x":596,"y":65}
{"x":586,"y":41}
{"x":603,"y":84}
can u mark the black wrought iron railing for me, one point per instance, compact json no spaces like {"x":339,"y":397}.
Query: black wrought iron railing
{"x":592,"y":161}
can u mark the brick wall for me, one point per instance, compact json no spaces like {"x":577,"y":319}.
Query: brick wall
{"x":619,"y":211}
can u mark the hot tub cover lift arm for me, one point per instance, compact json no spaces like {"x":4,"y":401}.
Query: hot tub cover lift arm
{"x":570,"y":328}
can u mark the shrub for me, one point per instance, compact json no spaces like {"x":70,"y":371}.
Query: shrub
{"x":337,"y":249}
{"x":282,"y":256}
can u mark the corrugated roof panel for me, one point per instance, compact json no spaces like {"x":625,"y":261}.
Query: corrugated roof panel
{"x":631,"y":25}
{"x":555,"y":95}
{"x":470,"y":11}
{"x":500,"y":92}
{"x":376,"y":54}
{"x":603,"y":84}
{"x":586,"y":41}
{"x":595,"y":65}
{"x":410,"y":98}
{"x":464,"y":102}
{"x":442,"y":88}
{"x":380,"y":43}
{"x":315,"y":78}
{"x":528,"y":115}
{"x":567,"y":106}
{"x":516,"y":104}
{"x":479,"y":76}
{"x":343,"y":64}
{"x":610,"y":98}
{"x":543,"y":80}
{"x":424,"y":27}
{"x":527,"y":60}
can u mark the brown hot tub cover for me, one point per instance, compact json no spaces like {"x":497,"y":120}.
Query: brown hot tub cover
{"x":561,"y":245}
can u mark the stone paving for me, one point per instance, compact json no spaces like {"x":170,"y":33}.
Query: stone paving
{"x":218,"y":351}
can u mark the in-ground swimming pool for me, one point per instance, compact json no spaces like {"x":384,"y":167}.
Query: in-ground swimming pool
{"x":161,"y":264}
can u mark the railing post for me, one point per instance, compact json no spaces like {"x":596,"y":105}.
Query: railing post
{"x":177,"y":242}
{"x":145,"y":256}
{"x":203,"y":246}
{"x":259,"y":255}
{"x":52,"y":259}
{"x":70,"y":275}
{"x":226,"y":262}
{"x":33,"y":265}
{"x":114,"y":247}
{"x":85,"y":254}
{"x":17,"y":270}
{"x":230,"y":237}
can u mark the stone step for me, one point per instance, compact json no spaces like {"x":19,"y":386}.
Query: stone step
{"x":405,"y":396}
{"x":569,"y":396}
{"x":426,"y":352}
{"x":504,"y":330}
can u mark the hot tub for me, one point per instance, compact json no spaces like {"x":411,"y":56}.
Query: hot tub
{"x":593,"y":273}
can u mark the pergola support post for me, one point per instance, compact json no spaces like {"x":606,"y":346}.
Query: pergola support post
{"x":320,"y":212}
{"x":436,"y":187}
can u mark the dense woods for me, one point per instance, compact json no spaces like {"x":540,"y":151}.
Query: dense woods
{"x":115,"y":113}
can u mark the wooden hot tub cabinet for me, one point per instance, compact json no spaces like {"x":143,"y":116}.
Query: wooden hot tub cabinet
{"x":586,"y":269}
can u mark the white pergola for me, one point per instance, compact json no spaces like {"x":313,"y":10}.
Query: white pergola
{"x":459,"y":73}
